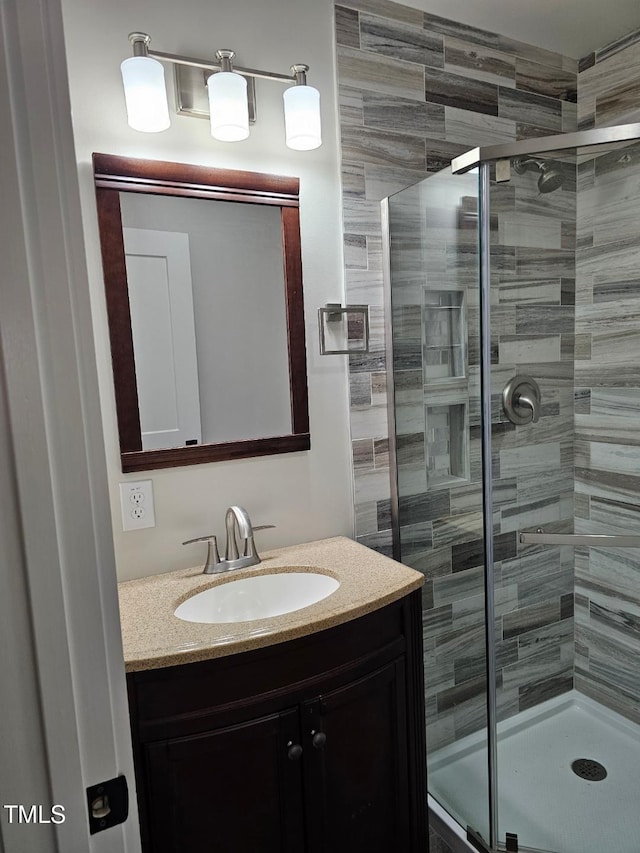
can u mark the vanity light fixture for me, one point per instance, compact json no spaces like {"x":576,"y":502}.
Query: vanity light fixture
{"x":144,"y":89}
{"x":230,"y":103}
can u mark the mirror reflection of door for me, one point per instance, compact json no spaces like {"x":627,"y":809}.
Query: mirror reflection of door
{"x":234,"y":299}
{"x":164,"y":338}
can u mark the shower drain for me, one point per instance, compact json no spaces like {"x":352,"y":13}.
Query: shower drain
{"x":587,"y":768}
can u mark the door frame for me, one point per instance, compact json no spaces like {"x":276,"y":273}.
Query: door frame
{"x":65,"y":716}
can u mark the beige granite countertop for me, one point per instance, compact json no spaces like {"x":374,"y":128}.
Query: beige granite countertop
{"x":153,"y":637}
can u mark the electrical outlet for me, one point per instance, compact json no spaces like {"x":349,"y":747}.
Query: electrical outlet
{"x":136,"y":503}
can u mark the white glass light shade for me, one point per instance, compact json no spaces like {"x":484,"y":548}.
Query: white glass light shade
{"x":145,"y":94}
{"x":302,"y":118}
{"x":228,"y":106}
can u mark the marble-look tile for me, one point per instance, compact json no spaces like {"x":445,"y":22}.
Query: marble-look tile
{"x":516,"y":349}
{"x":361,"y":217}
{"x":529,"y":230}
{"x":549,"y":636}
{"x":534,"y":694}
{"x":587,"y":62}
{"x":479,"y":62}
{"x":614,"y":516}
{"x":350,"y":107}
{"x":530,"y":109}
{"x":388,"y":9}
{"x":544,"y":263}
{"x":371,"y":485}
{"x":435,"y":563}
{"x":369,"y":422}
{"x":471,"y":715}
{"x":569,"y":117}
{"x":457,"y":529}
{"x":614,"y":291}
{"x":440,"y":153}
{"x":438,"y":621}
{"x":530,"y":514}
{"x":468,"y":555}
{"x":522,"y":292}
{"x":611,"y":576}
{"x":534,"y":668}
{"x":353,"y":181}
{"x":360,"y":389}
{"x":614,"y":375}
{"x":417,"y":538}
{"x":401,"y":41}
{"x":365,"y":145}
{"x":402,"y":115}
{"x":610,"y":697}
{"x":613,"y":662}
{"x":545,"y":485}
{"x":355,"y":251}
{"x":616,"y":46}
{"x":383,"y":181}
{"x":347,"y":27}
{"x":381,"y":452}
{"x":366,"y":518}
{"x":553,"y":319}
{"x":410,"y":449}
{"x":567,"y":608}
{"x":530,"y":618}
{"x":516,"y":463}
{"x":424,"y":507}
{"x":380,"y":542}
{"x":454,"y":90}
{"x":544,"y":80}
{"x":460,"y":31}
{"x":364,"y":286}
{"x":369,"y":71}
{"x":534,"y":590}
{"x":476,"y":128}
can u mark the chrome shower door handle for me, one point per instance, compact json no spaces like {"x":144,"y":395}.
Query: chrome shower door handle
{"x":521,"y":400}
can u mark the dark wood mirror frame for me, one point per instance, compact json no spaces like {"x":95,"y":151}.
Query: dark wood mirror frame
{"x":114,"y":175}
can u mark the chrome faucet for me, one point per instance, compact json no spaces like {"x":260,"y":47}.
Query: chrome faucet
{"x":238,"y":516}
{"x":235,"y":517}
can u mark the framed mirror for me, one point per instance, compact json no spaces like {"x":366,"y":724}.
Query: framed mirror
{"x":203,"y":280}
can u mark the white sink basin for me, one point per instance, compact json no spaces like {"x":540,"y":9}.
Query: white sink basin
{"x":257,"y":597}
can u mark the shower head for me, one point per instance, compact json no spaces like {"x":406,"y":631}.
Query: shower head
{"x":550,"y":176}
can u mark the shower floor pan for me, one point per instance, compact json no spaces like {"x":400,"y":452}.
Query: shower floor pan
{"x":541,"y":798}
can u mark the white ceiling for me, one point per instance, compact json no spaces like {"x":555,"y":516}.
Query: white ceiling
{"x":572,"y":27}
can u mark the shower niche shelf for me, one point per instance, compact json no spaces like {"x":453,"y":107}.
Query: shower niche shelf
{"x":445,"y":386}
{"x":444,"y":349}
{"x":446,"y":444}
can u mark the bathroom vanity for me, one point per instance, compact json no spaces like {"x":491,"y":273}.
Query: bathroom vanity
{"x":302,"y":732}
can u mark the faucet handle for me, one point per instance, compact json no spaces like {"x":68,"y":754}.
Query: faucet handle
{"x":213,"y":557}
{"x":250,"y":545}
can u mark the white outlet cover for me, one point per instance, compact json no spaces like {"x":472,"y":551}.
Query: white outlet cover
{"x":136,"y":504}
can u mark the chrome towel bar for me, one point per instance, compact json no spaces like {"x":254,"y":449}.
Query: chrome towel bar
{"x":593,"y":540}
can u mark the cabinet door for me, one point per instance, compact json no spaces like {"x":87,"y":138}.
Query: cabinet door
{"x":355,"y":765}
{"x":232,"y":790}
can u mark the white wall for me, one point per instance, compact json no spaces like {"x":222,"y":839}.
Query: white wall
{"x":307,"y":495}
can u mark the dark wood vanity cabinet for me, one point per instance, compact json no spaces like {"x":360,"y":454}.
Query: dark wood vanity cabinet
{"x":311,"y":746}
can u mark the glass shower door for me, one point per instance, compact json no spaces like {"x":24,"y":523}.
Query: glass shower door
{"x":565,"y":312}
{"x":434,"y":360}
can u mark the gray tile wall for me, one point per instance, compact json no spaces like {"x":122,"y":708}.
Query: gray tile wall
{"x":415,"y":90}
{"x":607,"y":403}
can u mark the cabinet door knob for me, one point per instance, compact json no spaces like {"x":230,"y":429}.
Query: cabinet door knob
{"x":319,"y":740}
{"x":294,"y":752}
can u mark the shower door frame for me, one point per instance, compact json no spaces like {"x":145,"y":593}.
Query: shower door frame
{"x":482,"y":158}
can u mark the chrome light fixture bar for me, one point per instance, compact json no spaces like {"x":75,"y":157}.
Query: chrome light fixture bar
{"x":146,"y":97}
